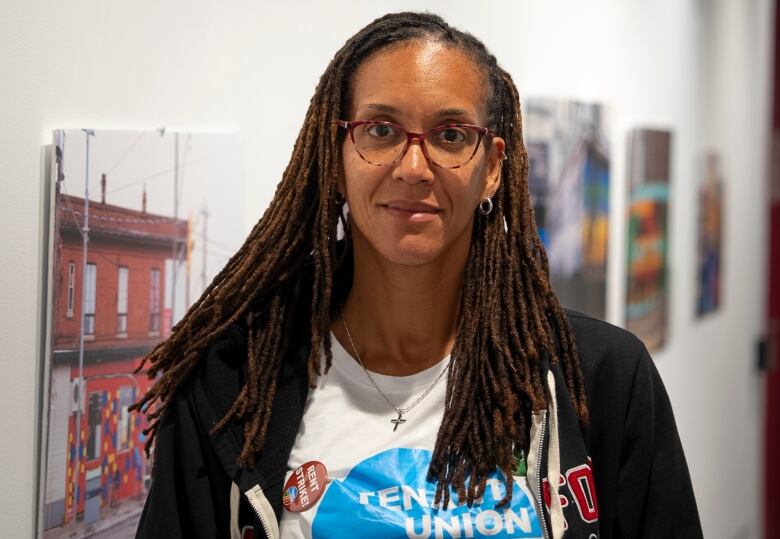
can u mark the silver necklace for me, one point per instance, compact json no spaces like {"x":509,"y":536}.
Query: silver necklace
{"x":400,"y":411}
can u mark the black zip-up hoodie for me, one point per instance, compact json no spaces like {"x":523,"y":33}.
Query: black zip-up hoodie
{"x":631,"y":446}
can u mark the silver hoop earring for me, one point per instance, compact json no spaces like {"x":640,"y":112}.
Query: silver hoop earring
{"x":486,"y":206}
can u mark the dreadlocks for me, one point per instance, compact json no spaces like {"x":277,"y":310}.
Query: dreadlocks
{"x":510,"y":322}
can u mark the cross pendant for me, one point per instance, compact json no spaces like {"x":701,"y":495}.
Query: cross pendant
{"x":398,"y":421}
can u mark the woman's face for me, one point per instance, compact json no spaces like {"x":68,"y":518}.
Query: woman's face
{"x":413,"y":212}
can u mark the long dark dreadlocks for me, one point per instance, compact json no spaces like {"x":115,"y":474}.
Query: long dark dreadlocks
{"x":511,"y":319}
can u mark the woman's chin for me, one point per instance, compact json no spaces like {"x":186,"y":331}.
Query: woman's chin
{"x":411,"y":252}
{"x":411,"y":249}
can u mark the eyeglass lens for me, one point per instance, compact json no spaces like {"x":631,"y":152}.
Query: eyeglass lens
{"x":447,"y":146}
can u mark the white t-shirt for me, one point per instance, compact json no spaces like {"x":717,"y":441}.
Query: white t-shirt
{"x":377,"y":485}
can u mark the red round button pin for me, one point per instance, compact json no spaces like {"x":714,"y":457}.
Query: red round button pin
{"x":305,"y":486}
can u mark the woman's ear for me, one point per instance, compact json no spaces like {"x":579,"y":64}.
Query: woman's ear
{"x":496,"y":155}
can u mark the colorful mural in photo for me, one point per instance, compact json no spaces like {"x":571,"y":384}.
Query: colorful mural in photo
{"x":142,"y":221}
{"x":710,"y":238}
{"x":569,"y":175}
{"x":649,"y":153}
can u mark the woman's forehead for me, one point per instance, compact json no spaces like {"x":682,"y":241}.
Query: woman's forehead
{"x":419,"y":78}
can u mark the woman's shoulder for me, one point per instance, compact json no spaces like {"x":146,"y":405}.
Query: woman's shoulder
{"x":222,"y":366}
{"x":610,"y":356}
{"x":225,"y":343}
{"x":598,"y":337}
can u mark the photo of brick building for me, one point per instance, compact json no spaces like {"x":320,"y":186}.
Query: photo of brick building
{"x":126,"y":261}
{"x":120,"y":280}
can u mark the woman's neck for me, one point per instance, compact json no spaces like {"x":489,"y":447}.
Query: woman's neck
{"x":402,"y":319}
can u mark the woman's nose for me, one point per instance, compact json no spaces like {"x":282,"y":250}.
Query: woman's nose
{"x":413,"y":166}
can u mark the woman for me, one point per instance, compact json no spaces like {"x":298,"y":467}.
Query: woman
{"x":418,"y":377}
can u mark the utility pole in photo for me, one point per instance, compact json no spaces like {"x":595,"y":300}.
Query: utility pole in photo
{"x":204,"y":212}
{"x":80,"y":385}
{"x":175,"y":271}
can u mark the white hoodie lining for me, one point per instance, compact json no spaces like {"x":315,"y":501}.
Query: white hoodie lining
{"x":554,"y":463}
{"x":235,"y":499}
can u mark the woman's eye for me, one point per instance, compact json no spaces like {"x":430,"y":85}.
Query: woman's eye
{"x":452,"y":135}
{"x":380,"y":131}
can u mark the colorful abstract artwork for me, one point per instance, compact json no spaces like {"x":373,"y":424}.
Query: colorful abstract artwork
{"x":649,"y":153}
{"x":569,"y":181}
{"x":710,"y":227}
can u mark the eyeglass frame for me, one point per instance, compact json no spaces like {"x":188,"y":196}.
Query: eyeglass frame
{"x":410,"y":136}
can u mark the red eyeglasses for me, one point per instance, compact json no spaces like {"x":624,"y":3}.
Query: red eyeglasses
{"x":446,"y":146}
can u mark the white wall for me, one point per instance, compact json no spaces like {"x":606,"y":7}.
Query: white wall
{"x":698,"y":67}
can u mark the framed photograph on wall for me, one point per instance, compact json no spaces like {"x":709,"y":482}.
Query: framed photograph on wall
{"x":647,"y":286}
{"x":709,"y":269}
{"x":141,"y":223}
{"x":569,"y":180}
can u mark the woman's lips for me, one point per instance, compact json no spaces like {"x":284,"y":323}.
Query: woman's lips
{"x":412,"y":212}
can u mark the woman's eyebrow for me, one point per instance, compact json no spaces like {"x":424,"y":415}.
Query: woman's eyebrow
{"x":453,"y":112}
{"x":382,"y":108}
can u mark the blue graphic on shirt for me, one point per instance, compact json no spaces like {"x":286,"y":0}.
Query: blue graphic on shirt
{"x":387,"y":496}
{"x":290,"y":495}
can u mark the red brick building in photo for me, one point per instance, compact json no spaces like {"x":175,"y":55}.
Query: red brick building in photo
{"x":125,"y":317}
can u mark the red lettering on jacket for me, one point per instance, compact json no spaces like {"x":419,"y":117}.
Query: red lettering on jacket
{"x":583,"y":489}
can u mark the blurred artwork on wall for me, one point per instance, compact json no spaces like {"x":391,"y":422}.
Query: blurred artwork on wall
{"x":710,"y":258}
{"x":141,"y":223}
{"x":569,"y":174}
{"x":649,"y":153}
